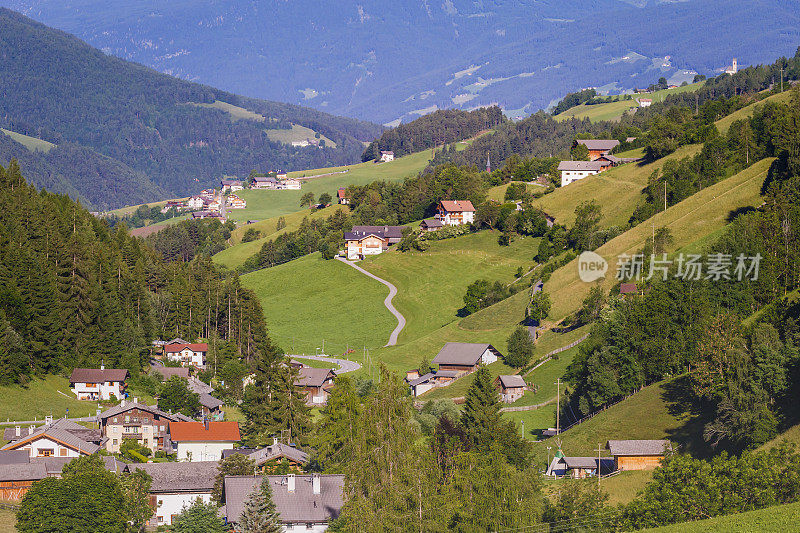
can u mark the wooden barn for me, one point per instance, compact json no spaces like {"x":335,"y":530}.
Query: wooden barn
{"x":638,"y":454}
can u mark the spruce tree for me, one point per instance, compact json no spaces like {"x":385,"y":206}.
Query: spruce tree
{"x":481,"y":415}
{"x":259,"y":514}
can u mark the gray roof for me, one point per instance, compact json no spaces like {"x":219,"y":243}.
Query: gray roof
{"x":313,"y":377}
{"x":55,"y":465}
{"x":581,"y":165}
{"x":461,"y":353}
{"x":300,"y":506}
{"x":89,"y":435}
{"x":384,"y":232}
{"x":14,"y":457}
{"x":180,"y":477}
{"x":167,"y":372}
{"x":447,"y":373}
{"x":23,"y":472}
{"x":200,"y":387}
{"x":268,"y":453}
{"x":512,"y":381}
{"x":57,"y":434}
{"x":119,"y":409}
{"x":580,"y":462}
{"x":421,"y":379}
{"x":638,"y":447}
{"x":433,"y":223}
{"x":598,"y":144}
{"x":209,"y":402}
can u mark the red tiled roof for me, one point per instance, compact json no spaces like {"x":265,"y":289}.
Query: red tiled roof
{"x":342,"y":193}
{"x":225,"y":431}
{"x":457,"y":205}
{"x":195,"y":347}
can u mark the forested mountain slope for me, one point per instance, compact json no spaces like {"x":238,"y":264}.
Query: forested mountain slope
{"x":59,"y":89}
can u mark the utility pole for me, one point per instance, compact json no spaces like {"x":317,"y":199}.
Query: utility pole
{"x":665,"y":195}
{"x":558,"y":406}
{"x":599,"y":448}
{"x":781,"y":78}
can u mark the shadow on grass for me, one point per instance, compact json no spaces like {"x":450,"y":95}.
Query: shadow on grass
{"x":677,"y":394}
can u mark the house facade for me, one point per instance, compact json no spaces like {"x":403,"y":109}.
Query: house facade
{"x":386,"y":156}
{"x":292,"y":184}
{"x":431,"y":224}
{"x":264,"y":182}
{"x":146,"y":424}
{"x":341,"y":194}
{"x":511,"y":388}
{"x":203,"y":441}
{"x":597,"y":147}
{"x":53,"y":441}
{"x":232,"y":185}
{"x":572,"y":171}
{"x":194,"y":203}
{"x":645,"y":102}
{"x":465,"y":357}
{"x":98,"y":383}
{"x":177,"y":485}
{"x":456,"y":212}
{"x":362,"y":241}
{"x":316,"y":383}
{"x":234,"y":202}
{"x":187,"y":354}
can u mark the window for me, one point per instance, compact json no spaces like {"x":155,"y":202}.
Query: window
{"x":114,"y":442}
{"x":62,"y":452}
{"x":127,"y":419}
{"x":45,"y":452}
{"x":161,"y":428}
{"x":160,"y":519}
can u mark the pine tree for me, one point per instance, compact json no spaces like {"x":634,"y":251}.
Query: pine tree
{"x":338,"y":426}
{"x":259,"y":514}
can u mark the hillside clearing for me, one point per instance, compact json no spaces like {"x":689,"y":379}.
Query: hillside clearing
{"x":297,"y":133}
{"x":31,"y":143}
{"x":725,"y":123}
{"x":42,"y":398}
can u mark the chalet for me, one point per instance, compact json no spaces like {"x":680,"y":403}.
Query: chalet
{"x":200,"y":215}
{"x":208,"y":194}
{"x":292,"y":184}
{"x":572,"y":171}
{"x":234,"y":202}
{"x":316,"y":383}
{"x":210,"y":407}
{"x":147,"y":424}
{"x":511,"y":388}
{"x":370,"y":240}
{"x":53,"y":440}
{"x":305,"y":503}
{"x":232,"y":185}
{"x":194,"y":203}
{"x":281,"y":175}
{"x":597,"y":147}
{"x":99,"y":383}
{"x":177,"y":485}
{"x":645,"y":102}
{"x":638,"y":454}
{"x":214,"y":205}
{"x":178,"y":205}
{"x":426,"y":382}
{"x":272,"y":454}
{"x":264,"y":182}
{"x":386,"y":156}
{"x":455,"y":212}
{"x":203,"y":441}
{"x":93,"y":436}
{"x":431,"y":224}
{"x":465,"y":357}
{"x":187,"y":354}
{"x":341,"y":193}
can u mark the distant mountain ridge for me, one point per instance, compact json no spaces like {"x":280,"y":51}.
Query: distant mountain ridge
{"x":128,"y":134}
{"x":383,"y":61}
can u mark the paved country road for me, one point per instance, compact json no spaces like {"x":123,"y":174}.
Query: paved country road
{"x":345,"y":365}
{"x":401,"y":320}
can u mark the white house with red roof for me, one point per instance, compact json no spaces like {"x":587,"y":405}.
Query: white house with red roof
{"x":386,"y":156}
{"x":456,"y":212}
{"x":98,"y":383}
{"x":187,"y":354}
{"x":203,"y":441}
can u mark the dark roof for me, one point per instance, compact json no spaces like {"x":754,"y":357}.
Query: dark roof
{"x":461,"y":353}
{"x":119,"y":409}
{"x":638,"y":447}
{"x":177,"y":340}
{"x":169,"y":371}
{"x":580,"y":462}
{"x":447,"y":373}
{"x":313,"y":377}
{"x":231,"y":182}
{"x":268,"y":453}
{"x":512,"y":381}
{"x":432,"y":223}
{"x":209,"y":402}
{"x":598,"y":144}
{"x":23,"y":472}
{"x":14,"y":457}
{"x":300,"y":506}
{"x":97,"y":375}
{"x":200,"y":387}
{"x":595,"y":166}
{"x":384,"y":232}
{"x":422,"y":379}
{"x":180,"y":477}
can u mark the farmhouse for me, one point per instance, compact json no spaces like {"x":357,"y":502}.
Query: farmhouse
{"x":572,"y":171}
{"x":177,"y":485}
{"x":53,"y":440}
{"x":232,"y":185}
{"x":440,"y":378}
{"x":271,"y":454}
{"x":386,"y":156}
{"x":431,"y":224}
{"x":194,"y":203}
{"x":645,"y":102}
{"x":316,"y":383}
{"x":370,"y":240}
{"x":465,"y":357}
{"x":146,"y":424}
{"x":341,"y":193}
{"x":203,"y":441}
{"x":597,"y":147}
{"x":511,"y":388}
{"x":456,"y":212}
{"x":578,"y":467}
{"x":305,"y":503}
{"x":187,"y":354}
{"x":234,"y":202}
{"x":173,"y":204}
{"x":292,"y":184}
{"x":200,"y":215}
{"x":264,"y":182}
{"x":638,"y":454}
{"x":98,"y":384}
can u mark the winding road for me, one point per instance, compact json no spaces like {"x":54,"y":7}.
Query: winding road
{"x":401,"y":320}
{"x":345,"y":365}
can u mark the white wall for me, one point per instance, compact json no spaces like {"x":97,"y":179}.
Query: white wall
{"x":301,"y":528}
{"x":488,"y":357}
{"x":172,"y":504}
{"x":202,"y":451}
{"x":570,"y":176}
{"x":189,"y":357}
{"x":59,"y":450}
{"x":86,"y":391}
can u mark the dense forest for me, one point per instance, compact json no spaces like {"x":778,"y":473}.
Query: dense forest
{"x":57,"y":88}
{"x":435,"y":129}
{"x":73,"y":292}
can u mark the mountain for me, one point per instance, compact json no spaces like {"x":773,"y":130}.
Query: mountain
{"x":124,"y":133}
{"x":386,"y":60}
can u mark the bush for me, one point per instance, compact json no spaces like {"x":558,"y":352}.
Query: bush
{"x":250,"y":235}
{"x":520,"y":348}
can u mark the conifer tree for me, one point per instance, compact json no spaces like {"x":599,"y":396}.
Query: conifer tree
{"x":338,"y":426}
{"x":259,"y":514}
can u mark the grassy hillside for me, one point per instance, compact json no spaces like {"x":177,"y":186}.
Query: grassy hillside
{"x":40,"y":398}
{"x":615,"y":110}
{"x":777,"y":519}
{"x":31,"y":143}
{"x":746,"y":112}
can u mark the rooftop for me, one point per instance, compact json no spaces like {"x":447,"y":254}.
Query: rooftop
{"x":180,"y":477}
{"x":313,"y":377}
{"x":512,"y":381}
{"x":598,"y":144}
{"x":127,"y":406}
{"x":97,"y":375}
{"x":195,"y":347}
{"x":223,"y":431}
{"x":457,"y":205}
{"x":462,"y":353}
{"x":596,"y":166}
{"x":638,"y":447}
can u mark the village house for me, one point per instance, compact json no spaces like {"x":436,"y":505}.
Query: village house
{"x":305,"y":503}
{"x":572,"y":171}
{"x":281,"y":175}
{"x":455,"y":212}
{"x":62,"y":438}
{"x":264,"y":182}
{"x":194,"y":203}
{"x":187,"y":354}
{"x":386,"y":156}
{"x":362,"y":241}
{"x":210,"y":407}
{"x":272,"y":455}
{"x":147,"y":424}
{"x":177,"y":485}
{"x":208,"y":194}
{"x":511,"y":388}
{"x":597,"y":147}
{"x":200,"y":215}
{"x":422,"y":384}
{"x":316,"y":383}
{"x":578,"y":467}
{"x":203,"y":441}
{"x":99,"y":383}
{"x":178,"y":205}
{"x":638,"y":454}
{"x":465,"y":357}
{"x":431,"y":224}
{"x":234,"y":202}
{"x":645,"y":102}
{"x":292,"y":184}
{"x":231,"y":185}
{"x":341,"y":193}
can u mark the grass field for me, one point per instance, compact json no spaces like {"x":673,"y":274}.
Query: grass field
{"x":31,"y":143}
{"x":776,"y":519}
{"x":42,"y":398}
{"x":297,"y":133}
{"x":8,"y":519}
{"x":615,"y":110}
{"x":725,"y":123}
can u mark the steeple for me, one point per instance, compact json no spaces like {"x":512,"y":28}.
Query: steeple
{"x":488,"y":163}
